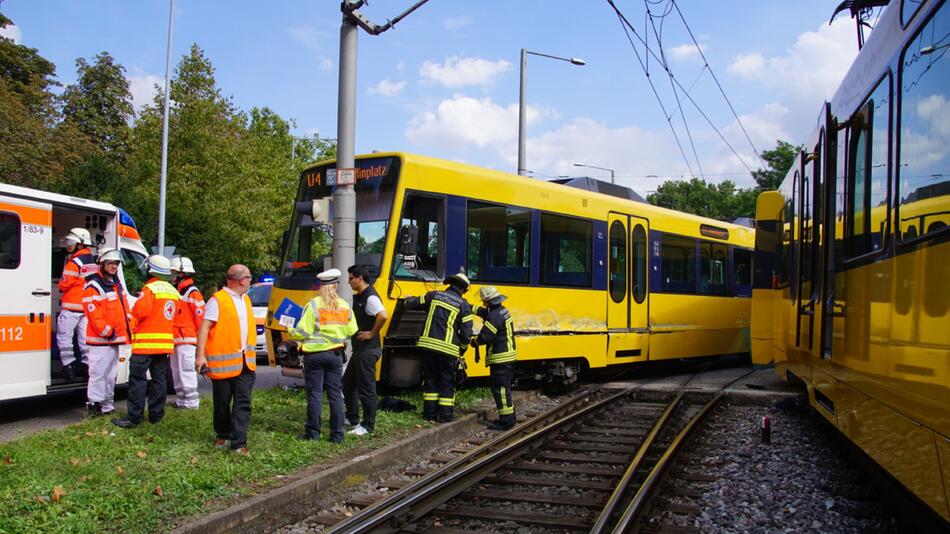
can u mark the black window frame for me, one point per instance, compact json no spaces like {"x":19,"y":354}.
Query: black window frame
{"x":720,"y":289}
{"x":639,"y":279}
{"x":16,"y":223}
{"x":505,"y":274}
{"x":571,"y":279}
{"x":617,"y":287}
{"x":682,"y":243}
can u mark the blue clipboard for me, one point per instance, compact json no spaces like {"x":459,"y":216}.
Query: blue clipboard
{"x":288,"y":313}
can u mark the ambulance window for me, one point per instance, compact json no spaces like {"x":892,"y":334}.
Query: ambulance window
{"x":9,"y":240}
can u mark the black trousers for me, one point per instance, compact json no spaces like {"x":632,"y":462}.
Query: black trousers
{"x":438,"y":388}
{"x":501,"y":375}
{"x":324,"y":369}
{"x":157,"y":366}
{"x":359,"y":387}
{"x":232,"y":407}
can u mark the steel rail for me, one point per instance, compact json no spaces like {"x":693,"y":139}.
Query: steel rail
{"x":654,"y":477}
{"x":600,"y":525}
{"x":422,"y":495}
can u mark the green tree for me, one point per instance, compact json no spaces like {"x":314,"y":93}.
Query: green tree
{"x":778,"y":160}
{"x":99,"y":104}
{"x":37,"y":148}
{"x":717,"y":201}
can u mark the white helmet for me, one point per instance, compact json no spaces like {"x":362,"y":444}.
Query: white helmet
{"x":159,"y":266}
{"x":79,"y":235}
{"x":109,"y":254}
{"x":183,"y":265}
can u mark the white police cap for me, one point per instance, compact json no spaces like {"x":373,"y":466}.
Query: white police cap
{"x":331,"y":276}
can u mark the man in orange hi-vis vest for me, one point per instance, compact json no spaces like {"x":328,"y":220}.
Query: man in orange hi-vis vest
{"x":152,"y":343}
{"x":226,"y":353}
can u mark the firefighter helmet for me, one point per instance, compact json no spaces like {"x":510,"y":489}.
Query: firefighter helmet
{"x":459,"y":280}
{"x":182,"y":265}
{"x":109,"y":254}
{"x":159,"y":266}
{"x":79,"y":235}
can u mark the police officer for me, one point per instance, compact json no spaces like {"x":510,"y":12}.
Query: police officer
{"x":191,"y":310}
{"x":360,"y":374}
{"x":152,"y":343}
{"x":323,"y":329}
{"x":498,"y":337}
{"x":72,"y":320}
{"x":107,"y":315}
{"x":447,"y":331}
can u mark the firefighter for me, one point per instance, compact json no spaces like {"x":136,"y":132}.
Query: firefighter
{"x":72,"y":321}
{"x":443,"y":342}
{"x":191,"y":309}
{"x":498,"y":337}
{"x":323,"y":329}
{"x":107,"y":316}
{"x":152,"y":343}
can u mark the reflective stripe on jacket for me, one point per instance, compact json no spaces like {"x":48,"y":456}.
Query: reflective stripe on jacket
{"x":80,"y":266}
{"x":191,"y":311}
{"x":497,"y":334}
{"x":448,"y":326}
{"x":323,"y":329}
{"x":154,"y":313}
{"x":227,"y":353}
{"x":107,"y":312}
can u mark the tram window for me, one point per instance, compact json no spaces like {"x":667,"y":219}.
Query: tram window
{"x":923,"y":195}
{"x":639,"y":264}
{"x":566,"y":251}
{"x":909,"y":9}
{"x":678,"y":264}
{"x":424,"y":217}
{"x":499,"y":243}
{"x":866,"y":214}
{"x":742,"y":265}
{"x":618,"y":262}
{"x":370,"y":244}
{"x":712,"y":269}
{"x":9,"y":240}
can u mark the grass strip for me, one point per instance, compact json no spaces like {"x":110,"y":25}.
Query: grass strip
{"x":94,"y":477}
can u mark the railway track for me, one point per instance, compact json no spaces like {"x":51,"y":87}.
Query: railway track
{"x":586,"y":466}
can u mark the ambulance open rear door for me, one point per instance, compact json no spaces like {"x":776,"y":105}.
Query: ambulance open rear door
{"x":25,"y":324}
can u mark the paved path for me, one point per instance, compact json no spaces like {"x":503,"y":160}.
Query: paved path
{"x":24,"y":417}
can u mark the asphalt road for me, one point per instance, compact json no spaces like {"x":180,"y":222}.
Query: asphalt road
{"x":24,"y":417}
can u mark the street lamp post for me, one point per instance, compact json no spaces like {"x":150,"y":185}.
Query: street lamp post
{"x":611,"y":171}
{"x":521,"y":101}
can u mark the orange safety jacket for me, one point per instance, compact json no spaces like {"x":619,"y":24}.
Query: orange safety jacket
{"x":227,"y":354}
{"x":154,"y":314}
{"x":107,"y":312}
{"x":191,"y":311}
{"x":79,"y":267}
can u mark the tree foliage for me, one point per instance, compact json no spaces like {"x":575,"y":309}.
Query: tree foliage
{"x":232,"y":175}
{"x":779,"y":160}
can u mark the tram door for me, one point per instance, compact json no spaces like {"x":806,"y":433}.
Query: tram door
{"x":627,"y":294}
{"x":809,"y":246}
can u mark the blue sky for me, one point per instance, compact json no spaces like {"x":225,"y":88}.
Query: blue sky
{"x":444,"y":81}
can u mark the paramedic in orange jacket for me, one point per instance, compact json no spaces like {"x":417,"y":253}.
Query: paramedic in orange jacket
{"x":152,"y":343}
{"x":72,"y":321}
{"x":226,"y":353}
{"x":191,"y":309}
{"x":107,"y":315}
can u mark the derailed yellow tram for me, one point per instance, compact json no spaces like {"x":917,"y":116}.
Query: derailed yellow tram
{"x":593,"y":279}
{"x":852,"y":255}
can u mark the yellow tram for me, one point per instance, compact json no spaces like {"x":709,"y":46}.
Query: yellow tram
{"x":852,"y":256}
{"x":593,"y":280}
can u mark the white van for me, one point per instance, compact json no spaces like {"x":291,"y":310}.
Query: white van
{"x":32,"y":257}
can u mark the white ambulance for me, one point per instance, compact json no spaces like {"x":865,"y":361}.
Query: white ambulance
{"x":32,"y":256}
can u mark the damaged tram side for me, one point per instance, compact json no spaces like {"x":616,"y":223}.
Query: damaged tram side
{"x":593,"y":279}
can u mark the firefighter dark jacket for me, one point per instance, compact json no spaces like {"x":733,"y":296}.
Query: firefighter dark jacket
{"x":497,"y":334}
{"x":448,"y":326}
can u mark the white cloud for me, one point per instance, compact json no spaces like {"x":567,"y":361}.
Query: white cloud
{"x":12,"y":32}
{"x":456,"y":23}
{"x":326,"y":64}
{"x":685,"y":52}
{"x":310,"y":37}
{"x":462,"y":71}
{"x":142,"y":87}
{"x":463,"y":121}
{"x":814,"y":65}
{"x":387,"y":88}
